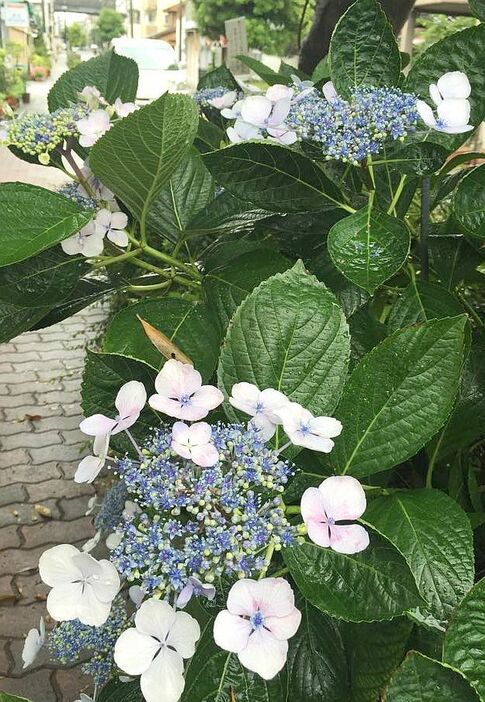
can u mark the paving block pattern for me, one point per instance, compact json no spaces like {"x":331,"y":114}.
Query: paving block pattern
{"x":41,"y":445}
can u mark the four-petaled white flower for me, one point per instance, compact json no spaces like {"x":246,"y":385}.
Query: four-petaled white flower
{"x":195,"y":587}
{"x":33,"y":643}
{"x":303,"y":429}
{"x":338,"y":498}
{"x":87,"y":242}
{"x":259,"y":112}
{"x":112,"y":225}
{"x":180,"y":392}
{"x":195,"y":443}
{"x":155,"y":649}
{"x":129,"y":402}
{"x":225,"y":101}
{"x":261,"y":405}
{"x":92,"y":97}
{"x":92,"y":127}
{"x":82,"y":587}
{"x":450,"y":95}
{"x":123,"y":109}
{"x":260,"y":618}
{"x":91,"y":466}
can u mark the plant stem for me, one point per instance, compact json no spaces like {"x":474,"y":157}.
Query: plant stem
{"x":476,"y":317}
{"x":116,"y":259}
{"x":423,"y":239}
{"x":279,"y":573}
{"x":397,"y":195}
{"x":293,"y":509}
{"x":67,"y":153}
{"x":267,"y":561}
{"x":171,"y":261}
{"x":150,"y":287}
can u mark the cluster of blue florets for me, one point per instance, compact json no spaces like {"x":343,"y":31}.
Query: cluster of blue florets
{"x":70,"y":639}
{"x":351,"y":130}
{"x":203,"y":96}
{"x":39,"y":134}
{"x":202,"y":521}
{"x":74,"y":192}
{"x":111,"y":511}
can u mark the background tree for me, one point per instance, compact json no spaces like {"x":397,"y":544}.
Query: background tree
{"x":109,"y":25}
{"x":326,"y":15}
{"x":76,"y":35}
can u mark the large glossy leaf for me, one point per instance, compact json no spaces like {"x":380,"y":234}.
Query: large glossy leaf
{"x":366,"y":331}
{"x":117,"y":691}
{"x":316,"y":664}
{"x":33,"y":219}
{"x":469,"y":202}
{"x":370,"y":586}
{"x":398,"y":396}
{"x":267,"y":74}
{"x":289,"y":334}
{"x":225,"y":214}
{"x":220,"y":76}
{"x":478,"y":8}
{"x":209,"y":137}
{"x":190,"y":326}
{"x":420,"y":302}
{"x":45,"y":279}
{"x":5,"y":697}
{"x":454,"y":260}
{"x":418,"y":523}
{"x":214,"y":675}
{"x":363,"y":49}
{"x":373,"y":652}
{"x":461,"y":51}
{"x":189,"y":189}
{"x":275,"y":178}
{"x":464,"y":645}
{"x":369,"y":247}
{"x":104,"y":374}
{"x":113,"y":75}
{"x":140,"y":153}
{"x":421,"y":679}
{"x":228,"y":286}
{"x":86,"y":292}
{"x":351,"y":297}
{"x":15,"y":319}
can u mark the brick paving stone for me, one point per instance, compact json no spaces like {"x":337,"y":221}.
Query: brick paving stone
{"x":10,"y":537}
{"x":29,"y":474}
{"x":70,"y":683}
{"x":10,"y":494}
{"x":73,"y":508}
{"x":38,"y":492}
{"x":30,"y":440}
{"x":29,"y":589}
{"x":37,"y":683}
{"x":7,"y":590}
{"x":6,"y":662}
{"x":47,"y":532}
{"x":59,"y":453}
{"x":23,"y":513}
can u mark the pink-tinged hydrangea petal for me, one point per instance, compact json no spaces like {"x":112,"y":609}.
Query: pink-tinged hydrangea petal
{"x":284,"y":627}
{"x":63,"y":601}
{"x":351,"y":538}
{"x":312,"y":442}
{"x":454,"y":84}
{"x":292,"y":415}
{"x":328,"y":427}
{"x":103,"y":218}
{"x":329,"y":92}
{"x":283,"y":136}
{"x":312,"y":505}
{"x":97,"y":425}
{"x":101,"y":445}
{"x":264,"y":426}
{"x":231,"y":632}
{"x":200,"y":433}
{"x":184,"y":634}
{"x":56,"y":565}
{"x":343,"y":497}
{"x":172,"y":408}
{"x":232,"y":135}
{"x":93,"y":245}
{"x":131,"y":398}
{"x":279,"y":92}
{"x":435,"y":94}
{"x":205,"y":455}
{"x":454,"y":113}
{"x":208,"y":397}
{"x":264,"y":654}
{"x":242,"y":598}
{"x":255,"y":109}
{"x":155,"y":618}
{"x":119,"y":220}
{"x":88,"y":469}
{"x":180,"y":433}
{"x":164,"y":679}
{"x":134,"y":652}
{"x":272,"y":400}
{"x":245,"y":130}
{"x":274,"y":597}
{"x":426,"y":113}
{"x":279,"y":113}
{"x":245,"y":396}
{"x":318,"y":533}
{"x":177,"y":379}
{"x":119,"y":238}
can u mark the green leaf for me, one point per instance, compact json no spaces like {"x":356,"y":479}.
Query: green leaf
{"x":190,"y":326}
{"x":469,"y":202}
{"x":398,"y":396}
{"x":289,"y":334}
{"x":104,"y":374}
{"x":117,"y":691}
{"x":214,"y":675}
{"x":85,"y":293}
{"x":316,"y":665}
{"x":421,"y":679}
{"x":14,"y":319}
{"x":225,"y":214}
{"x":460,"y":51}
{"x":365,"y":333}
{"x":267,"y":74}
{"x":440,"y":558}
{"x":189,"y":189}
{"x":5,"y":697}
{"x":140,"y":153}
{"x":416,"y":159}
{"x":321,"y":70}
{"x":228,"y":286}
{"x":420,"y":302}
{"x":454,"y":260}
{"x":272,"y":177}
{"x":220,"y":76}
{"x":363,"y":49}
{"x":350,"y":296}
{"x":373,"y":585}
{"x":464,"y":645}
{"x":373,"y":652}
{"x":369,"y":247}
{"x":114,"y":76}
{"x":43,"y":280}
{"x":33,"y":219}
{"x":478,"y":8}
{"x":209,"y":136}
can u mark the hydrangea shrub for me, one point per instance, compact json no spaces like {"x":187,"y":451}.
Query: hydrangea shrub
{"x":289,"y":404}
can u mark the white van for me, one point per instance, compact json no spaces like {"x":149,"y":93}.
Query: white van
{"x":153,"y":57}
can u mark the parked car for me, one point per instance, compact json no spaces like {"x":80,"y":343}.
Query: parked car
{"x":155,"y":59}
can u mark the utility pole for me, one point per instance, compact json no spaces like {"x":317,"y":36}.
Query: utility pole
{"x":131,"y":18}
